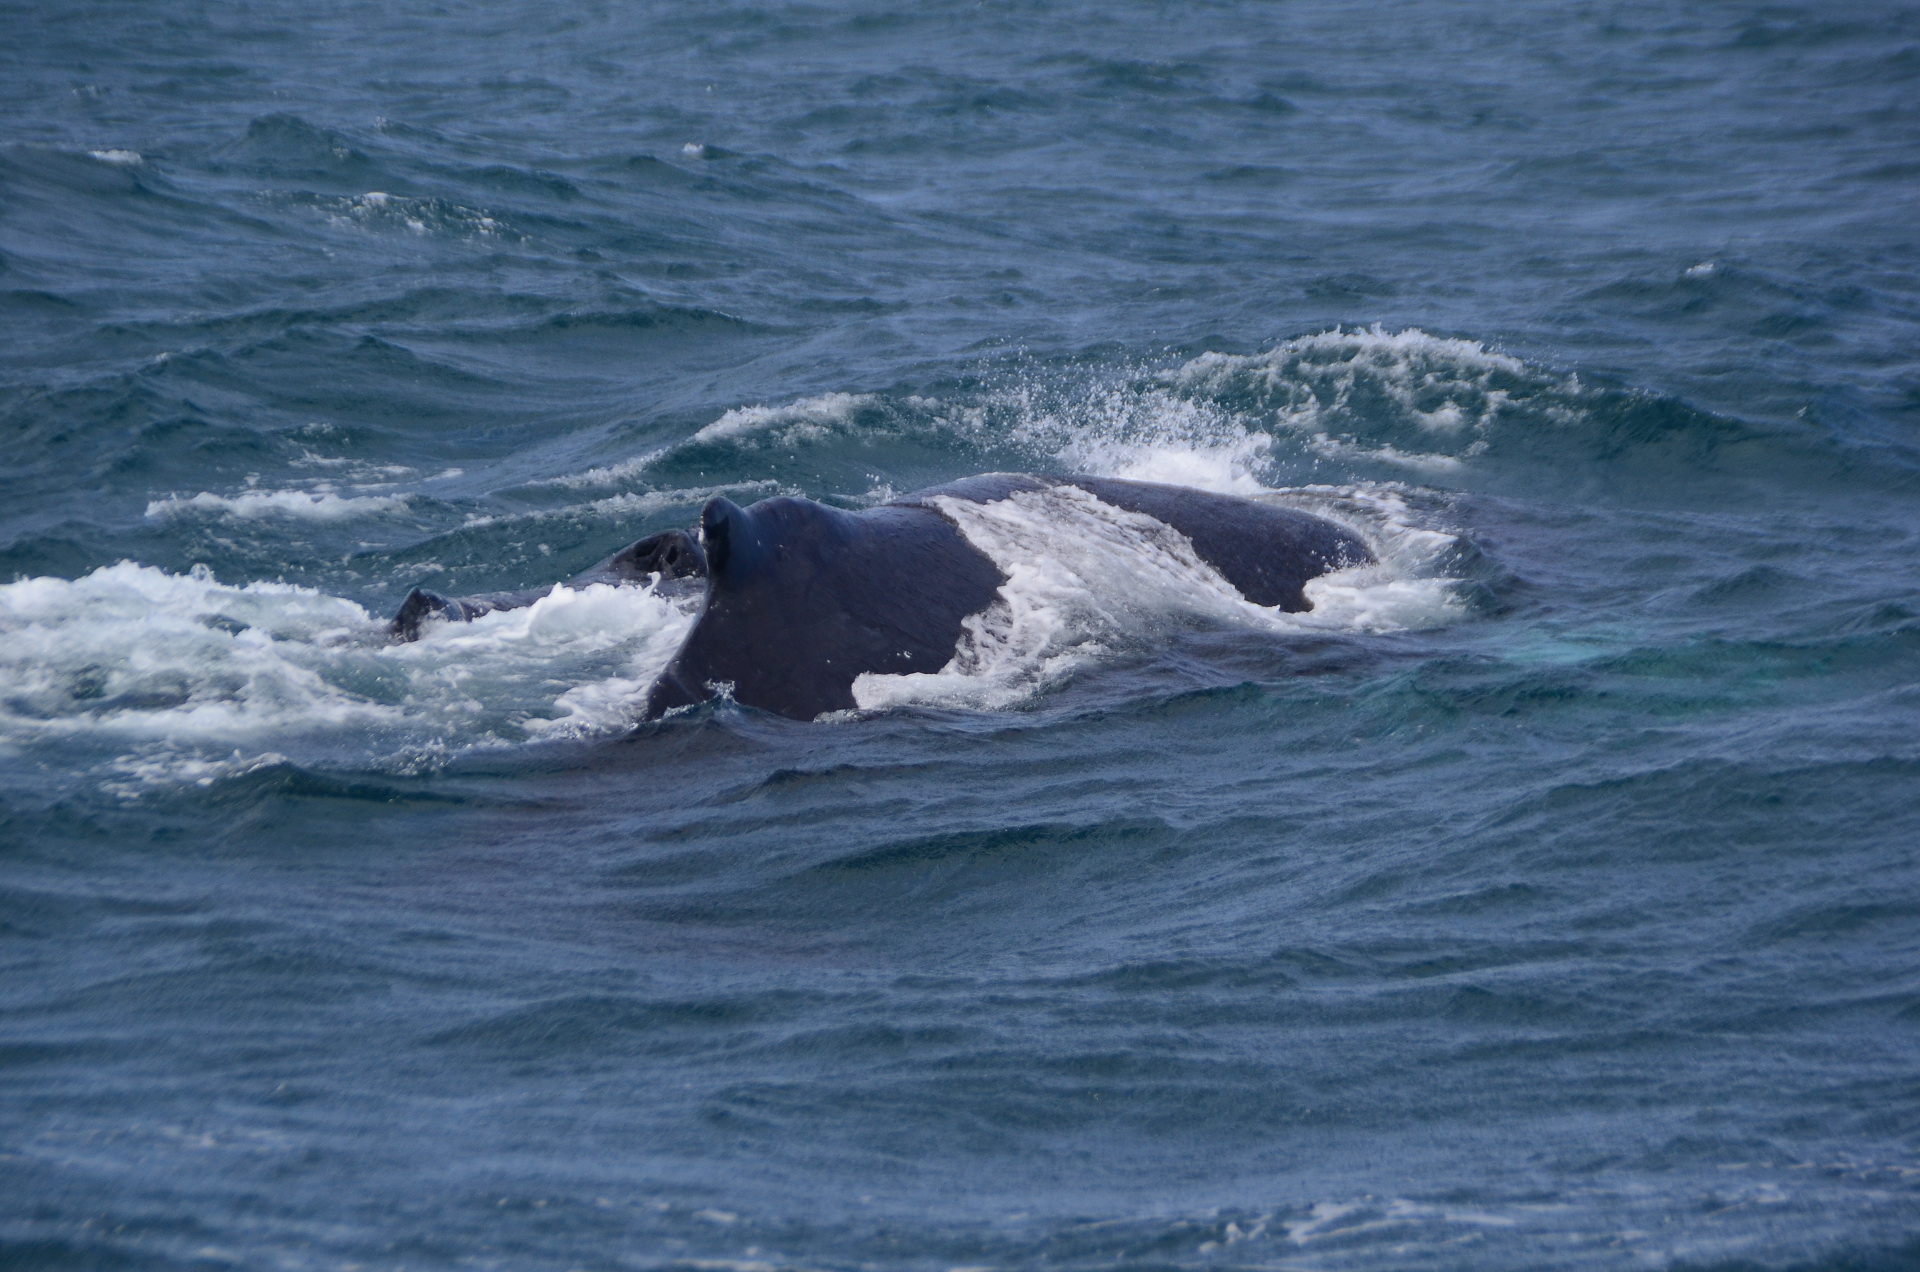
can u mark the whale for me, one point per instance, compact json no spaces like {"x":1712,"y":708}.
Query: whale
{"x":799,"y":599}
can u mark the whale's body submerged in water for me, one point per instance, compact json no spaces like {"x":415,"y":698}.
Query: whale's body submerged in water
{"x":803,"y":599}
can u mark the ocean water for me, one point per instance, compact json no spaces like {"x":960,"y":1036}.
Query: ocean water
{"x":1545,"y":898}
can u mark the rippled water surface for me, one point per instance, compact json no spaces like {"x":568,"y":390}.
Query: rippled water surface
{"x":1545,"y":898}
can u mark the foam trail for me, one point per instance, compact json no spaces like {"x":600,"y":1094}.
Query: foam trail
{"x":171,"y":677}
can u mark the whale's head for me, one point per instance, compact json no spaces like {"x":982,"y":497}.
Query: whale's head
{"x":760,"y":565}
{"x":803,"y":598}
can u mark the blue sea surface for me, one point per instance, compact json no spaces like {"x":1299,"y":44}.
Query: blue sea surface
{"x":1546,"y":898}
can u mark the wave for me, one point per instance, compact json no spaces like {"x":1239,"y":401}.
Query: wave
{"x":308,"y":505}
{"x":796,"y":422}
{"x":285,"y":145}
{"x":378,"y":210}
{"x":1343,"y":405}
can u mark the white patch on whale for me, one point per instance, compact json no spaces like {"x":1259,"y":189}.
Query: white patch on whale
{"x":1086,"y":579}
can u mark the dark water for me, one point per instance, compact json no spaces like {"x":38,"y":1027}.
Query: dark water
{"x":1546,"y":899}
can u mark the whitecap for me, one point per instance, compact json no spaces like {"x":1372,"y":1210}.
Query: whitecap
{"x":605,"y":475}
{"x":1442,"y":384}
{"x":803,"y":420}
{"x":309,"y":505}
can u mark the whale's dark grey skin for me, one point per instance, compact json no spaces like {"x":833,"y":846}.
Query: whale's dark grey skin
{"x":802,"y":599}
{"x":673,"y":556}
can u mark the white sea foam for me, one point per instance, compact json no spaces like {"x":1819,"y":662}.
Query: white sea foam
{"x":804,"y":420}
{"x":171,"y":677}
{"x":309,"y":505}
{"x":1156,"y":436}
{"x":1224,"y":469}
{"x":116,"y":156}
{"x":1085,"y":578}
{"x":1151,"y":434}
{"x":1402,"y":357}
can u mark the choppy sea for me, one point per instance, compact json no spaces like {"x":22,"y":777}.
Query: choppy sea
{"x":1546,"y":898}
